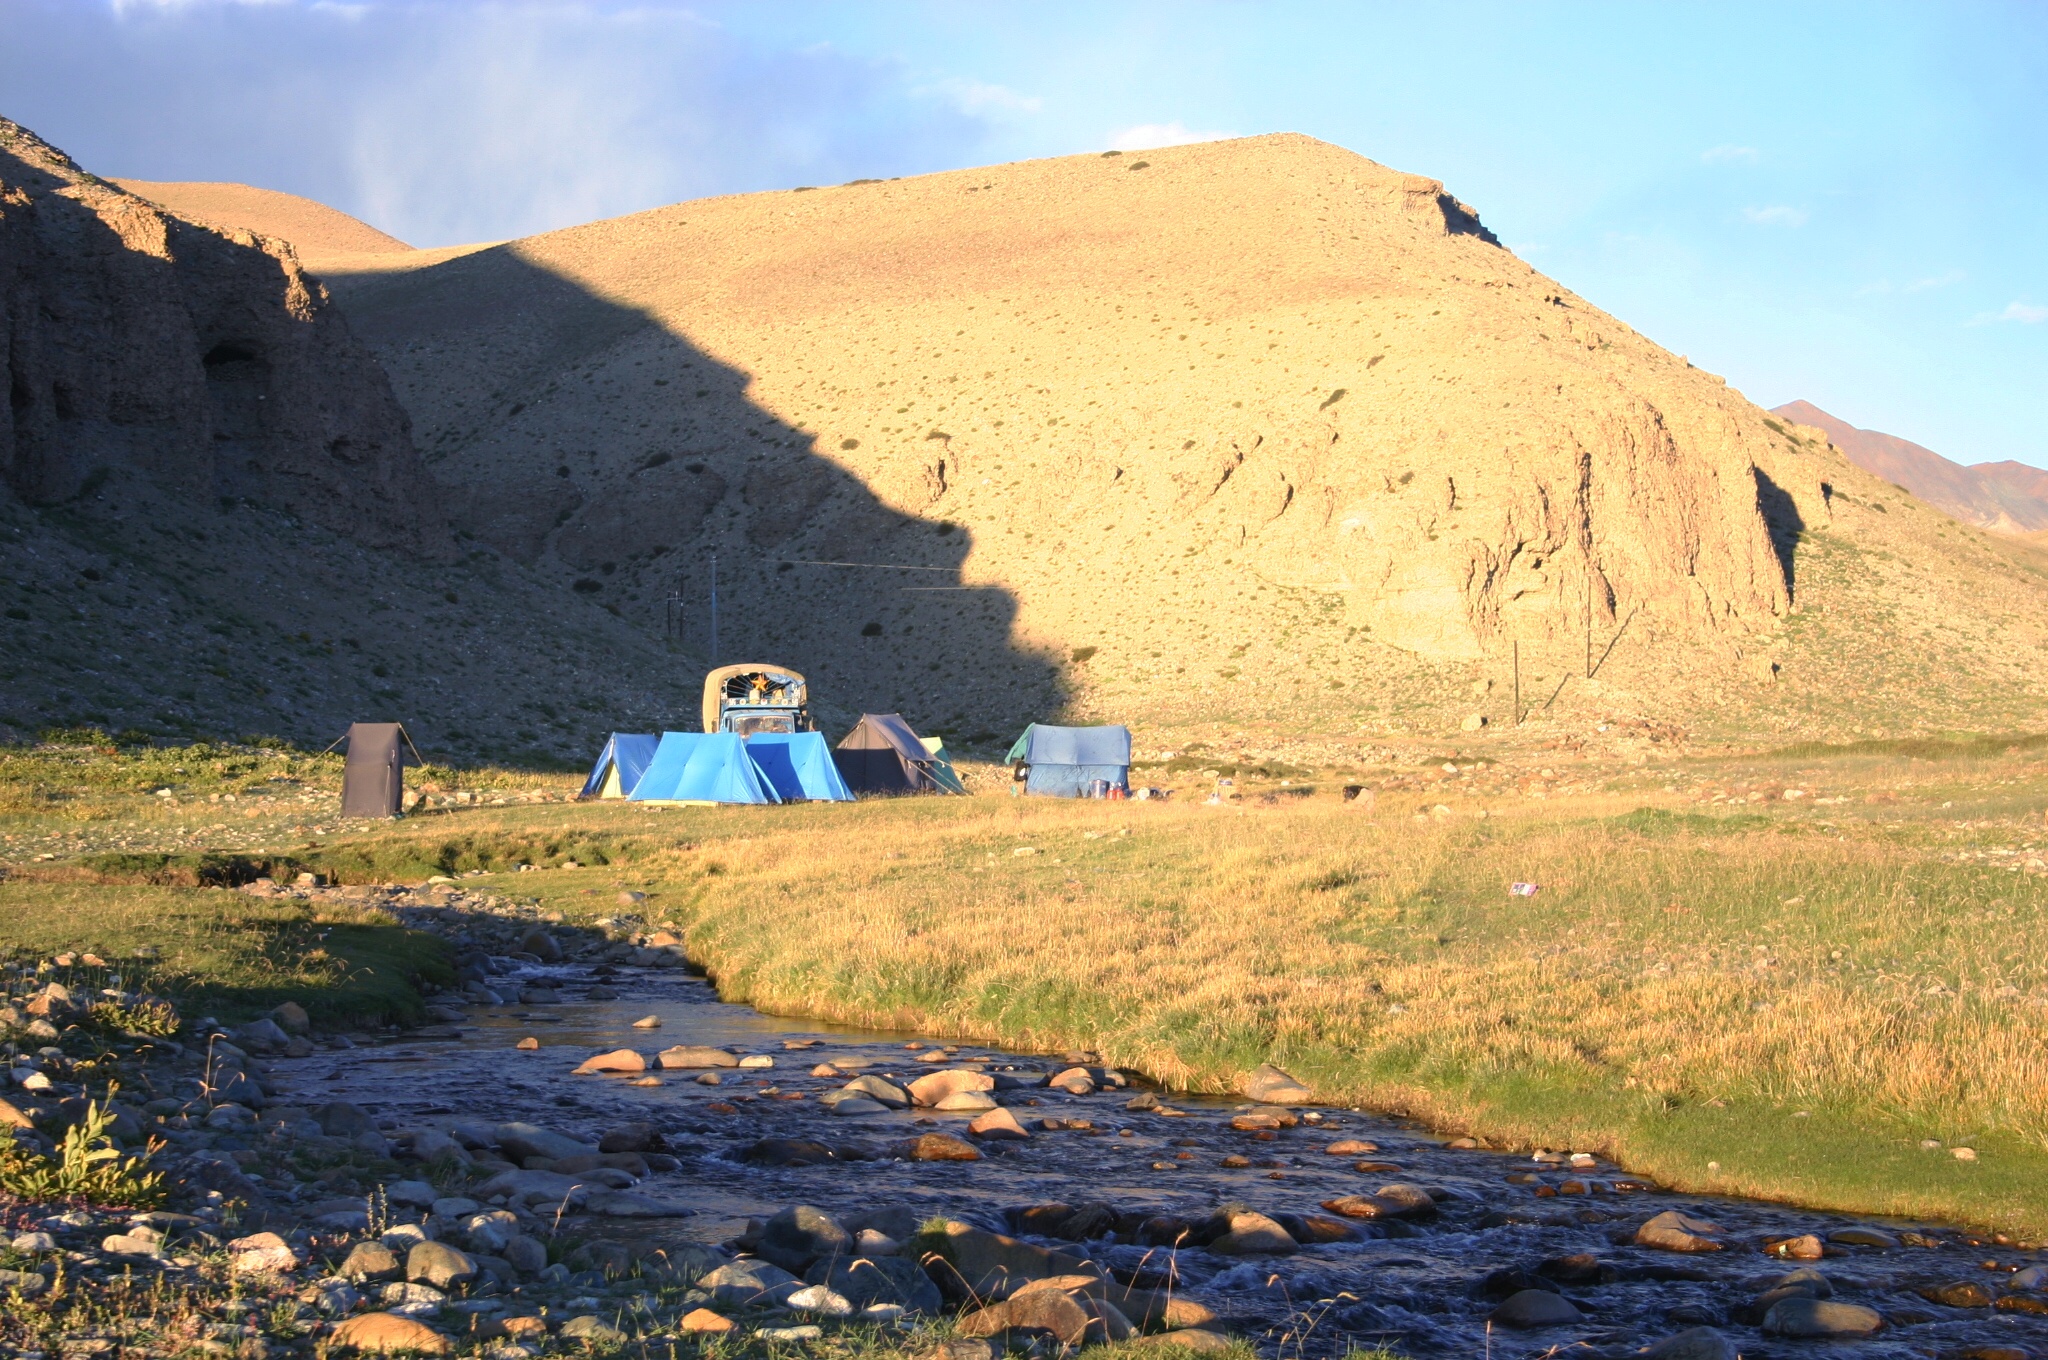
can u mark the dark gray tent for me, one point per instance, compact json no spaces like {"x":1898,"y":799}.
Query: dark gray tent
{"x":882,"y":755}
{"x":373,"y":778}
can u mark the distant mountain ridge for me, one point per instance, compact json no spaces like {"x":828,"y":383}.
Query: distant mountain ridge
{"x":2005,"y":498}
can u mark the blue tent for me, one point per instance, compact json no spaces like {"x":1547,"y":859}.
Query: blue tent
{"x":620,"y":765}
{"x":799,"y":765}
{"x":1068,"y":762}
{"x":703,"y":767}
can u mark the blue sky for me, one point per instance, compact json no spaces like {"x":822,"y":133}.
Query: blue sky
{"x":1847,"y":203}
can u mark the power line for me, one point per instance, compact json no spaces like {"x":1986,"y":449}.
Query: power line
{"x":877,"y":566}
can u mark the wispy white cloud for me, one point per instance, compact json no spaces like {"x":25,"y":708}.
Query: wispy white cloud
{"x":1152,"y":136}
{"x":1731,"y":155}
{"x":2023,"y":312}
{"x":978,"y":98}
{"x":1941,"y":280}
{"x":1776,"y":215}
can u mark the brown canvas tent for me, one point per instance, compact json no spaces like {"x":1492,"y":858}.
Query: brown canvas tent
{"x":373,"y":777}
{"x":882,"y":755}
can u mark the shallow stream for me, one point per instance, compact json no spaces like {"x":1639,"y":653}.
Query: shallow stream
{"x":1503,"y":1222}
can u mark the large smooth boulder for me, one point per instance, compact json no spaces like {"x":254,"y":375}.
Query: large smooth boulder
{"x":1254,"y":1235}
{"x":1695,"y":1343}
{"x":620,"y":1061}
{"x":1801,"y":1316}
{"x":520,"y":1141}
{"x":971,"y":1262}
{"x":749,"y":1284}
{"x":880,"y":1089}
{"x":440,"y":1265}
{"x":1269,"y":1085}
{"x":1535,"y":1308}
{"x":800,"y":1234}
{"x":1675,"y":1231}
{"x":865,"y":1281}
{"x":686,"y":1056}
{"x":933,"y":1087}
{"x":388,"y":1334}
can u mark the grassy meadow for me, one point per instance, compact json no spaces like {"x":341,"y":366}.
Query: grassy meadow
{"x":1777,"y":975}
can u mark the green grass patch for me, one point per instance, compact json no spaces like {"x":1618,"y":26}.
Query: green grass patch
{"x":217,"y":951}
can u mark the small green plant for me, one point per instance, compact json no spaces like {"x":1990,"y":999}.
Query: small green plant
{"x":148,"y":1015}
{"x":87,"y":1167}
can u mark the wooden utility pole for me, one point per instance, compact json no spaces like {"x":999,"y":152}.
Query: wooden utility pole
{"x":1589,"y":620}
{"x":1518,"y":682}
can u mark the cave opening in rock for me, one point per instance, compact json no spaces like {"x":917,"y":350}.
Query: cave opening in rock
{"x":237,"y":390}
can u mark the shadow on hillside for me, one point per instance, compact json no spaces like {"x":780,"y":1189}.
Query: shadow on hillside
{"x":586,"y":435}
{"x":1784,"y":523}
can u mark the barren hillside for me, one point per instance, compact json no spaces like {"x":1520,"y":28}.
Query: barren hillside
{"x":213,"y":519}
{"x":2006,"y":498}
{"x":314,"y":229}
{"x":1254,"y":430}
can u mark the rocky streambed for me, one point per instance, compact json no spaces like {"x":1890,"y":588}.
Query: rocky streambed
{"x":1297,"y":1227}
{"x":590,"y":1148}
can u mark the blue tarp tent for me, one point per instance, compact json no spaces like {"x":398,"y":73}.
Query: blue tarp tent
{"x":620,"y":765}
{"x":799,"y":765}
{"x":703,"y":767}
{"x":1067,"y":762}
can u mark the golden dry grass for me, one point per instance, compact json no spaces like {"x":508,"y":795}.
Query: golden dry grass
{"x":1781,"y":997}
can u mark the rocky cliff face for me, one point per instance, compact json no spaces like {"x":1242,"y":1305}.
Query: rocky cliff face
{"x":133,"y":339}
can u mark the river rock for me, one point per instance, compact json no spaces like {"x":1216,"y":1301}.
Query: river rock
{"x":1254,"y":1235}
{"x":1075,"y":1081}
{"x":528,"y":1045}
{"x":973,"y":1263}
{"x":527,"y":1255}
{"x":412,"y":1194}
{"x":1696,"y":1343}
{"x":388,"y":1334}
{"x":591,"y":1329}
{"x":1535,"y":1308}
{"x":262,"y":1252}
{"x":800,"y":1234}
{"x":744,"y":1284}
{"x":1863,"y":1237}
{"x":1820,"y":1317}
{"x":2033,"y":1277}
{"x":848,"y":1105}
{"x":933,"y":1087}
{"x":621,"y":1060}
{"x":1351,"y":1147}
{"x":1269,"y":1085}
{"x":339,"y":1119}
{"x":695,"y":1055}
{"x":644,"y":1022}
{"x":867,"y":1281}
{"x":1199,"y":1340}
{"x":520,"y":1141}
{"x":997,"y":1123}
{"x":551,"y":1188}
{"x":634,"y":1137}
{"x":703,"y":1322}
{"x":440,"y":1265}
{"x":627,"y":1204}
{"x":785,"y":1152}
{"x":881,"y":1089}
{"x":370,"y":1261}
{"x":1070,"y":1320}
{"x":966,"y":1102}
{"x":541,"y":945}
{"x":819,"y":1301}
{"x":1957,"y":1294}
{"x":1675,"y":1231}
{"x":933,"y":1147}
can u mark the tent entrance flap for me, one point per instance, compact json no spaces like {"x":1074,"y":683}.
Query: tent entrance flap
{"x":619,"y":765}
